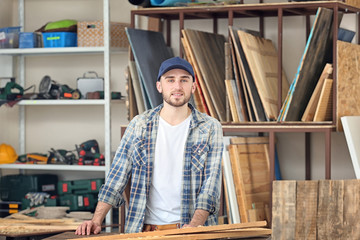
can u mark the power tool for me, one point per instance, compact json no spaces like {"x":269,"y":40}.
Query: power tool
{"x":61,"y":156}
{"x":50,"y":89}
{"x":89,"y":153}
{"x":7,"y":93}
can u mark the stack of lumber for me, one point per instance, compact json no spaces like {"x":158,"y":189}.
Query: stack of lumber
{"x":21,"y":227}
{"x":229,"y":231}
{"x":249,"y":167}
{"x":324,"y":209}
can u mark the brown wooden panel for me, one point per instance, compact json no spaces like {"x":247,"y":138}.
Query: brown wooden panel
{"x":231,"y":99}
{"x":208,"y":49}
{"x":330,"y":209}
{"x":324,"y":107}
{"x":351,"y":209}
{"x":348,"y":84}
{"x":262,"y":58}
{"x":306,"y":209}
{"x":283,"y":210}
{"x":311,"y":107}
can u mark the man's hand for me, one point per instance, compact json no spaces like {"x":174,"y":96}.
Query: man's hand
{"x":88,"y":227}
{"x":198,"y":219}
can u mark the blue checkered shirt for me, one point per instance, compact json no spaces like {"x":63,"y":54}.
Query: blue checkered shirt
{"x":135,"y":157}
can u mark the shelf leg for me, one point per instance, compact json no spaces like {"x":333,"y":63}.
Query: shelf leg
{"x":328,"y":154}
{"x":307,"y":156}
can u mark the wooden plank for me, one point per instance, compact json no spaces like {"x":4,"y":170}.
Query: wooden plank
{"x":188,"y":231}
{"x":137,"y":87}
{"x":198,"y":95}
{"x":262,"y":57}
{"x":239,"y":183}
{"x":149,"y":50}
{"x":283,"y":210}
{"x":330,"y":209}
{"x":348,"y":84}
{"x":306,"y":209}
{"x":248,"y":78}
{"x":234,"y":209}
{"x":243,"y":95}
{"x":355,"y":3}
{"x":249,"y":140}
{"x":324,"y":107}
{"x":311,"y":107}
{"x":208,"y":50}
{"x":131,"y":100}
{"x":312,"y":62}
{"x":351,"y":209}
{"x":199,"y":78}
{"x":231,"y":98}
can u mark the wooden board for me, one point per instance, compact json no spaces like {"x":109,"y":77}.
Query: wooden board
{"x":149,"y":50}
{"x":261,"y":56}
{"x":209,"y":232}
{"x":351,"y":210}
{"x":254,"y":97}
{"x":306,"y":209}
{"x":199,"y":77}
{"x":137,"y":87}
{"x":208,"y":49}
{"x":348,"y":84}
{"x":330,"y":209}
{"x":283,"y":210}
{"x":324,"y":107}
{"x":311,"y":65}
{"x":229,"y":84}
{"x":311,"y":107}
{"x":352,"y":135}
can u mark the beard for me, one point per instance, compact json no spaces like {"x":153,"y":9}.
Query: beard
{"x":176,"y":102}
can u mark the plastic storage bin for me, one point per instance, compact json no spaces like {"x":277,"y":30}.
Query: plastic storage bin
{"x":27,"y":40}
{"x":80,"y":186}
{"x":59,"y":39}
{"x":9,"y":37}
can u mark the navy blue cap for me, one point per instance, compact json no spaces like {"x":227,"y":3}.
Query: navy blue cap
{"x":175,"y":63}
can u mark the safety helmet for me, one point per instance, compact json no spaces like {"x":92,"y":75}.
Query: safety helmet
{"x":7,"y":154}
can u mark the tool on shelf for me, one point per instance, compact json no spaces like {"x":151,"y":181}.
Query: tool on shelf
{"x":11,"y":91}
{"x":50,"y":89}
{"x":89,"y":153}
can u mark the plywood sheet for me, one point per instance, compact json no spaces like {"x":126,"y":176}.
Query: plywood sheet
{"x":324,"y":107}
{"x":348,"y":84}
{"x":283,"y":210}
{"x":311,"y":107}
{"x":149,"y":50}
{"x":306,"y":209}
{"x":330,"y":209}
{"x":262,"y":57}
{"x":257,"y":106}
{"x":208,"y":49}
{"x":317,"y":53}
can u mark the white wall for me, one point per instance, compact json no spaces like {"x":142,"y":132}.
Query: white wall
{"x":58,"y":122}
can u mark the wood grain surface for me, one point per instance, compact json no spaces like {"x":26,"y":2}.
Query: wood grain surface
{"x":323,"y":110}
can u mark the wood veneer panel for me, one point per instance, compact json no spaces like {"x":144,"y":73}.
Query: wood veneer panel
{"x":348,"y":84}
{"x":317,"y":53}
{"x":262,"y":58}
{"x":324,"y":107}
{"x":283,"y":210}
{"x":208,"y":49}
{"x":311,"y":107}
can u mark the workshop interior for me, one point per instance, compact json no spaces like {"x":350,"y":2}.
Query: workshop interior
{"x":281,"y":76}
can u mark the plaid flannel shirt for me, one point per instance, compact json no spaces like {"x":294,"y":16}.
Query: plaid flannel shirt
{"x":135,"y":157}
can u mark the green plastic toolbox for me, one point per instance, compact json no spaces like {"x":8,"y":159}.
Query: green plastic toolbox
{"x":80,"y":186}
{"x":15,"y":187}
{"x":79,"y":202}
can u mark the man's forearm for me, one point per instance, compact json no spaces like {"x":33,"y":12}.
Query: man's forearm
{"x":199,"y":218}
{"x":101,"y":210}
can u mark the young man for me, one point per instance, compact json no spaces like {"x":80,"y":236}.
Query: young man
{"x":172,"y":154}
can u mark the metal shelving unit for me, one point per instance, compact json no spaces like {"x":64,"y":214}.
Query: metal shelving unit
{"x":106,"y":102}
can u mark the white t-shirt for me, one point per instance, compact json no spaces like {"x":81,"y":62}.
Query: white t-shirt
{"x":163,"y":205}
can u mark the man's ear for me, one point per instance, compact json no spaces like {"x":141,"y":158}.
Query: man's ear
{"x":193,"y":88}
{"x":158,"y":86}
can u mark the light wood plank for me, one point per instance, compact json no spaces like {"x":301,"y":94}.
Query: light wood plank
{"x":351,"y":209}
{"x":324,"y":107}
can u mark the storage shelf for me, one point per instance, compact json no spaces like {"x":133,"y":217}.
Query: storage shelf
{"x":53,"y":167}
{"x":42,"y":102}
{"x":60,"y":51}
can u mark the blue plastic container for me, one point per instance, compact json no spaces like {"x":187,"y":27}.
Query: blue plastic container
{"x":27,"y":40}
{"x":9,"y":37}
{"x":59,"y":39}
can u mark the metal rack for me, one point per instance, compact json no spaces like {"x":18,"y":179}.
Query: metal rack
{"x":262,"y":11}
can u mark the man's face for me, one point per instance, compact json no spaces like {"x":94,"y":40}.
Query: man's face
{"x":176,"y":87}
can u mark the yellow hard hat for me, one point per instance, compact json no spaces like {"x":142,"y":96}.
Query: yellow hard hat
{"x":7,"y":154}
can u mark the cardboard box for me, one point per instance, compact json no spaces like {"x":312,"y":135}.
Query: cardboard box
{"x":91,"y":34}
